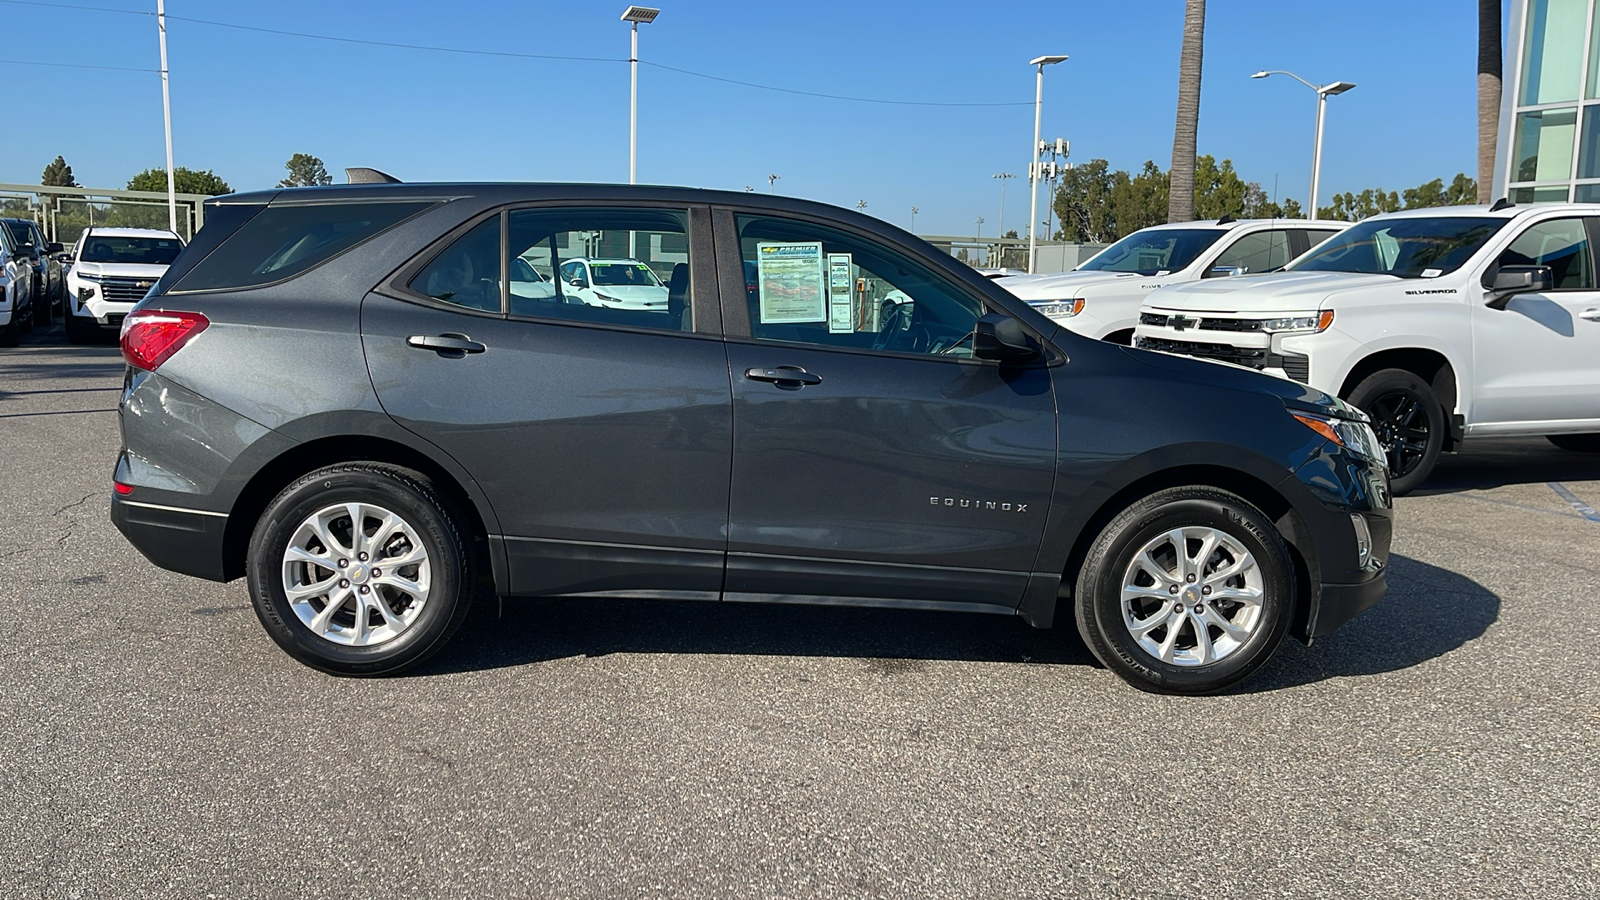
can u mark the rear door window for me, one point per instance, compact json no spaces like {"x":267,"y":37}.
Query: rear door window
{"x":283,"y":241}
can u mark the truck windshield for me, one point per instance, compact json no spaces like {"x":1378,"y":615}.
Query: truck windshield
{"x":151,"y":251}
{"x":1153,"y":250}
{"x":1408,"y":248}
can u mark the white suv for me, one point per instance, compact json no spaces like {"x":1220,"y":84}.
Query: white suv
{"x":1101,"y":298}
{"x":112,"y":269}
{"x":614,"y":283}
{"x":1440,"y":324}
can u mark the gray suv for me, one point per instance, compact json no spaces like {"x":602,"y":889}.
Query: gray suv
{"x":338,"y":394}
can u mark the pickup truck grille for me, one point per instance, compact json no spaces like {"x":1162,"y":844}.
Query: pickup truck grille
{"x":1162,"y":320}
{"x":125,"y":290}
{"x":1295,"y":365}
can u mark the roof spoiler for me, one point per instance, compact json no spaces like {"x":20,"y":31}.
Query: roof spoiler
{"x":364,"y":175}
{"x":1502,"y":203}
{"x":1226,"y":219}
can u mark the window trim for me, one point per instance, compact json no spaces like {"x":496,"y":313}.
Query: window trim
{"x":397,"y":285}
{"x":1591,"y":230}
{"x":736,"y":315}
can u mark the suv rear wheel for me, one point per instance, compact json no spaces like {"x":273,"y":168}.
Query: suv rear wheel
{"x":1409,"y":423}
{"x":1188,"y":591}
{"x":360,"y":569}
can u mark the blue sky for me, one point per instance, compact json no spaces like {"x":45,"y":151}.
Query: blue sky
{"x":244,"y":101}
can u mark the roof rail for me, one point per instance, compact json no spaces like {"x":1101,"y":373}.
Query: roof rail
{"x":364,"y":175}
{"x":1226,"y":218}
{"x":1502,"y":203}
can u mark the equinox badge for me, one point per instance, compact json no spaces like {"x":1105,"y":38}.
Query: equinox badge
{"x":977,"y":504}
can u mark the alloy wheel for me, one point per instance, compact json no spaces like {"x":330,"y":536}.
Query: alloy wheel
{"x":1401,"y":425}
{"x":356,"y":574}
{"x":1192,"y":596}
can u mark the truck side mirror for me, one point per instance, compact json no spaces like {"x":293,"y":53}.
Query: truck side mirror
{"x":1510,"y":281}
{"x":53,"y":247}
{"x":999,"y":337}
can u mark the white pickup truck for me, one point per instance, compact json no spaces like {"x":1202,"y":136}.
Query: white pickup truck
{"x":1101,"y":298}
{"x":1441,"y":324}
{"x":112,"y":268}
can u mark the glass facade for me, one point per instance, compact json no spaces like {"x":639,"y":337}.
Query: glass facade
{"x":1552,"y":150}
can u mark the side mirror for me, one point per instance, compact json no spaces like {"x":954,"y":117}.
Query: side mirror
{"x":999,"y":337}
{"x":54,"y":247}
{"x":1510,"y":281}
{"x":1225,"y":271}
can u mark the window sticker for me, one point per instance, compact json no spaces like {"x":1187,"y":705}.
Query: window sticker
{"x":841,"y":319}
{"x":791,"y":282}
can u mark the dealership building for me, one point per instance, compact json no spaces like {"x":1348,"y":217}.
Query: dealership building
{"x":1549,"y":145}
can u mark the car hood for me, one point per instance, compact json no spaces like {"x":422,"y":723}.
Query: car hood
{"x":1274,"y":291}
{"x":1068,"y":284}
{"x":1226,"y":375}
{"x":120,"y":270}
{"x":637,"y":292}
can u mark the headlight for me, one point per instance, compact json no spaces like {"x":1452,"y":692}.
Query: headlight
{"x":85,"y":276}
{"x":606,"y":297}
{"x":1354,"y":436}
{"x":1299,"y":324}
{"x":1060,"y":309}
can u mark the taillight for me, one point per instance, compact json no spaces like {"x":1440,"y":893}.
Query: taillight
{"x":151,"y":336}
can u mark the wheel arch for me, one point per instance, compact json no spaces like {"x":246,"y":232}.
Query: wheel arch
{"x":1254,"y":490}
{"x":309,"y":456}
{"x":1430,"y":365}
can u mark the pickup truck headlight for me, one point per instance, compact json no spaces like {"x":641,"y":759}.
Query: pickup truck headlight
{"x":1060,"y":309}
{"x":1350,"y":434}
{"x":1299,"y":324}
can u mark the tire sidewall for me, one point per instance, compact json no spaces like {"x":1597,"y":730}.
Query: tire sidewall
{"x":1101,"y":586}
{"x":431,"y":526}
{"x":1391,"y":381}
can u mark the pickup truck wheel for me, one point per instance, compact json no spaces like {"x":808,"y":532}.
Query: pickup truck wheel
{"x":41,"y":309}
{"x":1187,"y":591}
{"x":360,"y":569}
{"x":1581,"y":443}
{"x":1409,"y":422}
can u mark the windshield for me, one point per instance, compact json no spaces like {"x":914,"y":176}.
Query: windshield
{"x":1408,"y":248}
{"x":1153,"y":250}
{"x":149,"y":251}
{"x":622,"y":274}
{"x":20,"y":232}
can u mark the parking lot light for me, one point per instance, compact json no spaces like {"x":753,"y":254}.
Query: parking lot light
{"x":1033,"y":154}
{"x":1324,"y":91}
{"x":635,"y":15}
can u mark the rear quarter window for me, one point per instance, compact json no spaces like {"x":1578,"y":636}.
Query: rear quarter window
{"x":281,"y":242}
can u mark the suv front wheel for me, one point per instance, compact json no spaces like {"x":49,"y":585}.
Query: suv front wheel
{"x":360,"y":569}
{"x":1188,"y":591}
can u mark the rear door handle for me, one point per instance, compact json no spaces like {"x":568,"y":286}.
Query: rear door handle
{"x":1592,"y":315}
{"x":782,"y":375}
{"x":453,"y":346}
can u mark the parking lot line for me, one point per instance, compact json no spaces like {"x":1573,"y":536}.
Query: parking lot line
{"x":1584,"y":509}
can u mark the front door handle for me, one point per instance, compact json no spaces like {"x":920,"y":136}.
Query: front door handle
{"x":452,"y":346}
{"x":1592,"y":315}
{"x":783,"y":376}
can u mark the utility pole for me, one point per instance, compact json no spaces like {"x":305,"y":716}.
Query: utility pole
{"x":1004,"y":177}
{"x":770,"y":180}
{"x":166,"y":112}
{"x":861,"y":205}
{"x":914,"y":212}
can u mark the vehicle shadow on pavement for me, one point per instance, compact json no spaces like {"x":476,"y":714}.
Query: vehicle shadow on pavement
{"x":1427,"y":613}
{"x":18,"y":368}
{"x":1496,"y":462}
{"x":527,"y":631}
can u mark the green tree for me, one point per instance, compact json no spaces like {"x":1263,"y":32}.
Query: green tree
{"x":305,"y":170}
{"x":58,"y":174}
{"x":1181,"y":184}
{"x":1140,"y":201}
{"x":1350,"y":207}
{"x":1269,"y":209}
{"x":188,"y":181}
{"x":1218,"y":190}
{"x":1462,"y":190}
{"x":1083,"y":203}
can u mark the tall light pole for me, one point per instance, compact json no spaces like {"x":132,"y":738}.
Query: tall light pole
{"x":1324,"y":91}
{"x":1004,"y":177}
{"x":635,"y":15}
{"x":914,"y":212}
{"x":166,"y":112}
{"x":861,"y":205}
{"x":771,"y":179}
{"x":1033,"y":155}
{"x":979,"y":235}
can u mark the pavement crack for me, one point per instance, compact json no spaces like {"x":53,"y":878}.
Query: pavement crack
{"x":76,"y":503}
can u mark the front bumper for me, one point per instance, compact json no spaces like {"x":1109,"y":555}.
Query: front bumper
{"x":1339,"y":603}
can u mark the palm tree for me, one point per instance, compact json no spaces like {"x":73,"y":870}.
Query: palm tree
{"x":1489,"y":54}
{"x":1180,"y":201}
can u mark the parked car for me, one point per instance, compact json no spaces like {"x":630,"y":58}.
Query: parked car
{"x":16,"y":288}
{"x":1441,"y":324}
{"x":48,"y":284}
{"x":368,"y":455}
{"x":614,"y":283}
{"x":1101,"y":297}
{"x":111,"y":270}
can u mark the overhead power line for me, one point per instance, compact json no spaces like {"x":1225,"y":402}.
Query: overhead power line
{"x":33,"y":62}
{"x":474,"y":52}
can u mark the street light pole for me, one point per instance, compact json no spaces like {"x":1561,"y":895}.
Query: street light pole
{"x":1324,"y":91}
{"x":914,"y":212}
{"x":1004,"y":177}
{"x":771,"y":179}
{"x":1033,"y":154}
{"x":166,"y":112}
{"x":635,"y":15}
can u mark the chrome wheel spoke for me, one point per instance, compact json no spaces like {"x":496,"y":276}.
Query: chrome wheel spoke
{"x":403,"y":585}
{"x":300,"y":592}
{"x":1202,"y":638}
{"x":1212,"y":617}
{"x":365,"y":599}
{"x":1154,"y":569}
{"x":1142,"y":627}
{"x":1180,"y":622}
{"x":1169,"y":643}
{"x":336,"y":601}
{"x":394,"y":620}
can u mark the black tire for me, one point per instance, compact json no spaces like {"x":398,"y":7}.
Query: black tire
{"x":1409,"y":422}
{"x":1104,"y":622}
{"x":10,"y":332}
{"x":1578,"y":443}
{"x":41,"y":308}
{"x":430,"y":518}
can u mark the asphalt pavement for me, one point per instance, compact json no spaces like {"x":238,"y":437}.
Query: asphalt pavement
{"x":155,"y":743}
